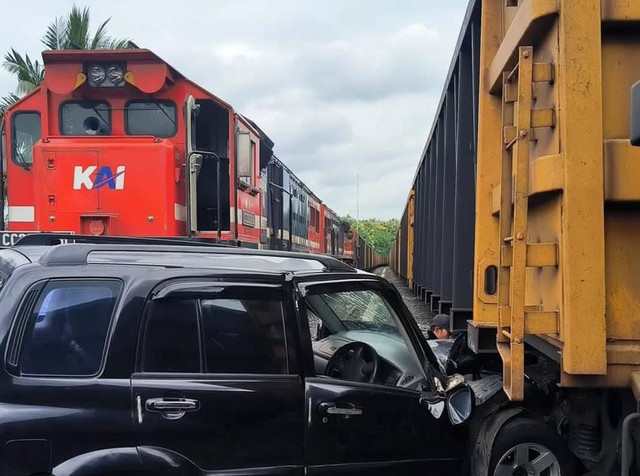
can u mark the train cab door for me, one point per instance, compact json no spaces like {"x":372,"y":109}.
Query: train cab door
{"x":207,"y":168}
{"x":193,"y":163}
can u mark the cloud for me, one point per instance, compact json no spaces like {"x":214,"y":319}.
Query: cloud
{"x":344,"y":89}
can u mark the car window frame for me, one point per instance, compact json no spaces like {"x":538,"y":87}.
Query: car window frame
{"x":20,"y":318}
{"x":126,"y":117}
{"x":416,"y":340}
{"x":289,"y":321}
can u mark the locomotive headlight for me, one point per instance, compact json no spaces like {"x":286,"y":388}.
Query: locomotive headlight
{"x":97,"y":75}
{"x":116,"y":74}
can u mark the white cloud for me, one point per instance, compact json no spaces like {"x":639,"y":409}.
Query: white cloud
{"x":344,"y":88}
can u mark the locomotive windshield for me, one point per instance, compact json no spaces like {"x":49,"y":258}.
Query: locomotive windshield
{"x":154,"y":118}
{"x":79,"y":118}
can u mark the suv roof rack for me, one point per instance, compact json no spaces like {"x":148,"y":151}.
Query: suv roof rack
{"x":52,"y":239}
{"x":78,"y":253}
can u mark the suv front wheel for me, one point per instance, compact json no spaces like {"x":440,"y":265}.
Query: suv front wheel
{"x":530,"y":448}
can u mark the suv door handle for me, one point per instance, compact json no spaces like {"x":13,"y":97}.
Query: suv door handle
{"x":172,"y":405}
{"x":347,"y":409}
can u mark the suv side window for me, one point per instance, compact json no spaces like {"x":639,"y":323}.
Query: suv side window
{"x":66,"y":333}
{"x":171,"y":338}
{"x":244,"y":336}
{"x":237,"y":336}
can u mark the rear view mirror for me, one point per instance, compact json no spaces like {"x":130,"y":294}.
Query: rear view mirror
{"x":635,"y":114}
{"x":460,"y":405}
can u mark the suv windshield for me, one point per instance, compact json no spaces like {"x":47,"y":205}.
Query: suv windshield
{"x":356,"y":310}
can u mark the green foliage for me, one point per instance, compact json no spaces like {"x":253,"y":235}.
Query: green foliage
{"x":6,"y":102}
{"x":378,"y":233}
{"x":74,"y":32}
{"x":29,"y":73}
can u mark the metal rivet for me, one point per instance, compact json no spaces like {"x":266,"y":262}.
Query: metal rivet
{"x":151,"y":219}
{"x":520,"y":236}
{"x":525,"y":54}
{"x":523,"y":133}
{"x":325,"y":420}
{"x":52,"y":218}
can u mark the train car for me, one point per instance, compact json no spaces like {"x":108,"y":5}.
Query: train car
{"x":287,"y":208}
{"x":315,"y":241}
{"x":522,"y":221}
{"x":333,"y":235}
{"x":349,"y":250}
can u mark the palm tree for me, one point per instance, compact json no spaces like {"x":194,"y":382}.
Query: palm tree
{"x":6,"y":102}
{"x":72,"y":32}
{"x":63,"y":33}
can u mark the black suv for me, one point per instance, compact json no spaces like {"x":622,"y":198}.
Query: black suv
{"x":172,"y":359}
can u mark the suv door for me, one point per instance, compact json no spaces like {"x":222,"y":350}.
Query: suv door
{"x":373,"y":428}
{"x":62,"y":411}
{"x":217,"y":385}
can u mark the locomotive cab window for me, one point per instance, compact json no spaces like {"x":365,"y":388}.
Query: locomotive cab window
{"x":25,"y":132}
{"x":85,"y":118}
{"x":152,"y":118}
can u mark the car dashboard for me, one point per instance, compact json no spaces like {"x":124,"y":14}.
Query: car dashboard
{"x":396,"y":367}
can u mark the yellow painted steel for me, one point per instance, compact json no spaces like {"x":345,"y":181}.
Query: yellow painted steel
{"x":410,"y":235}
{"x":583,"y":329}
{"x":486,"y":240}
{"x":558,"y":187}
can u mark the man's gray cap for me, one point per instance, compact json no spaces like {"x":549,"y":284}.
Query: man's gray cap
{"x":441,"y":320}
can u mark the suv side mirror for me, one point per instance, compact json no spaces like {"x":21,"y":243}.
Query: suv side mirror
{"x":635,"y":114}
{"x":460,"y":405}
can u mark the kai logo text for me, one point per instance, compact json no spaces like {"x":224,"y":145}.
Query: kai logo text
{"x":105,"y":177}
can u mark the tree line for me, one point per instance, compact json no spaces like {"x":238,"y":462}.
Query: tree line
{"x":378,"y":233}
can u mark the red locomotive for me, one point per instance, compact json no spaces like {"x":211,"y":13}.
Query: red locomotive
{"x":120,"y":143}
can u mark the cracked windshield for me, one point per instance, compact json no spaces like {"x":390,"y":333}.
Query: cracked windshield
{"x":364,"y":310}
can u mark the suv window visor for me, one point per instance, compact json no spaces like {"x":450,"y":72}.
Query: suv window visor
{"x":194,"y":290}
{"x":323,"y":287}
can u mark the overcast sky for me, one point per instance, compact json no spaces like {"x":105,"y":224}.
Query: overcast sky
{"x":343,"y":87}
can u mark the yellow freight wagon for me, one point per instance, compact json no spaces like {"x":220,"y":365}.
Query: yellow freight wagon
{"x":533,"y":134}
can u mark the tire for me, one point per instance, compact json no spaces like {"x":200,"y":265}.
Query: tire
{"x":524,"y":444}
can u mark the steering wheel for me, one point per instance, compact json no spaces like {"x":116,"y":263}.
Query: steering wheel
{"x":355,"y":361}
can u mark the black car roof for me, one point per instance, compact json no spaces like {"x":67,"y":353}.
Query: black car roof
{"x":184,"y":254}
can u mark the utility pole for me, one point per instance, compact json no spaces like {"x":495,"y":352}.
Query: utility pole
{"x":358,"y":217}
{"x":357,"y":203}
